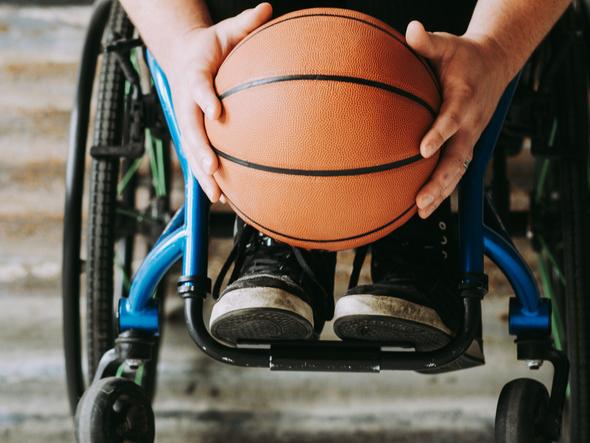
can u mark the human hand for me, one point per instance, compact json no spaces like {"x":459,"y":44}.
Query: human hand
{"x":191,"y":67}
{"x":473,"y":76}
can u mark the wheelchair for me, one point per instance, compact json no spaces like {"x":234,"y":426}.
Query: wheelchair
{"x":125,"y":210}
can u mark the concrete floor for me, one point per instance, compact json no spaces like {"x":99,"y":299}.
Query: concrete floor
{"x":198,"y":400}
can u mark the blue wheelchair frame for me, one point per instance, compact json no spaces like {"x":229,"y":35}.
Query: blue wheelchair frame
{"x":186,"y":236}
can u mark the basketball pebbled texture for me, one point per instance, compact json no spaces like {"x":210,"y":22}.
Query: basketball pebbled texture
{"x":323,"y":113}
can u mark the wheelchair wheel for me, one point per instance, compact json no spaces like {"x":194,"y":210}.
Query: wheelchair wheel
{"x":521,"y":408}
{"x":127,"y":197}
{"x":114,"y":410}
{"x":561,"y":218}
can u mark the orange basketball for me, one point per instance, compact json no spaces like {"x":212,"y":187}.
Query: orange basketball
{"x":323,"y":113}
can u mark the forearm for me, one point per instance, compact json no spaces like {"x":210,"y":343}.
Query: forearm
{"x":514,"y":27}
{"x":164,"y":23}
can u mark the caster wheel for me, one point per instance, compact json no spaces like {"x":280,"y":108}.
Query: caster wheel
{"x":114,"y":410}
{"x":522,"y":407}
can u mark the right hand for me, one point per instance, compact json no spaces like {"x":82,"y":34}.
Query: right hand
{"x":191,"y":67}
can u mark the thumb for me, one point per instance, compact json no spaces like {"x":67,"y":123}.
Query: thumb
{"x":230,"y":31}
{"x":427,"y":44}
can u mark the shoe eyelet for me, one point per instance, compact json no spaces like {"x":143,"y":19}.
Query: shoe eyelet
{"x":445,"y":255}
{"x":442,"y":225}
{"x":444,"y":240}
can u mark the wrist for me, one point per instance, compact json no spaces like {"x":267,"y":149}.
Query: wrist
{"x":174,"y":54}
{"x":495,"y":55}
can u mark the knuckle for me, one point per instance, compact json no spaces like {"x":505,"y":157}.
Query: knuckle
{"x":453,"y":119}
{"x":444,"y":176}
{"x":436,"y":136}
{"x":466,"y":89}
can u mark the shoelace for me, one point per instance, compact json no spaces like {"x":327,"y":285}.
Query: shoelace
{"x":274,"y":254}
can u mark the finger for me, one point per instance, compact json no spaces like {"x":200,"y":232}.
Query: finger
{"x":203,"y":93}
{"x":447,"y":174}
{"x":230,"y":31}
{"x":427,"y":212}
{"x":447,"y":123}
{"x":428,"y":44}
{"x":206,"y":182}
{"x":196,"y":143}
{"x":209,"y":187}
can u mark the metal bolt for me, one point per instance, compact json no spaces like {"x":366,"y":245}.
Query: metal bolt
{"x":534,"y":364}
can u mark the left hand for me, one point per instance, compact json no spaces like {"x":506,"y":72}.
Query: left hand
{"x":473,"y":76}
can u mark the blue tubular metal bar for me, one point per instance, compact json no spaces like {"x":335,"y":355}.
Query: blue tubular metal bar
{"x":196,"y":220}
{"x":528,"y":312}
{"x":139,"y":311}
{"x":175,"y":222}
{"x":163,"y":90}
{"x":197,"y":227}
{"x":514,"y":268}
{"x":185,"y":236}
{"x":471,"y":190}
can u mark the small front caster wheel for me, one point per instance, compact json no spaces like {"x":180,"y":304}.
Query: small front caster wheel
{"x":114,"y":410}
{"x":522,"y":407}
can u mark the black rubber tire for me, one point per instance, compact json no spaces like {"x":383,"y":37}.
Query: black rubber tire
{"x":565,"y":228}
{"x":104,"y":175}
{"x":574,"y":192}
{"x":575,"y":223}
{"x":520,"y":413}
{"x":102,"y":198}
{"x":114,"y":410}
{"x":575,"y":226}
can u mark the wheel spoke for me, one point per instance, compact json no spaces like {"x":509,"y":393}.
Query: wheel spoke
{"x":138,"y":216}
{"x":551,"y":258}
{"x":161,"y":173}
{"x":156,"y":164}
{"x":540,"y":187}
{"x":557,"y":326}
{"x":122,"y":185}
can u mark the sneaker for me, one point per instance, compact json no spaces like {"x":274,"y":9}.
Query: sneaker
{"x":275,"y":292}
{"x":413,"y":301}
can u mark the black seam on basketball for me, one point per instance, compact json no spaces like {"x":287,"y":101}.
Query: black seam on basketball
{"x":327,"y":77}
{"x":320,"y":172}
{"x":404,"y":44}
{"x":354,"y":237}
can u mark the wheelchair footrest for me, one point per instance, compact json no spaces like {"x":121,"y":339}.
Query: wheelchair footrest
{"x":325,"y":358}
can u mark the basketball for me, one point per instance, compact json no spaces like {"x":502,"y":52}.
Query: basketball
{"x":323,"y":113}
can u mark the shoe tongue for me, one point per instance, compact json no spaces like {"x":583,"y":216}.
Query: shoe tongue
{"x":418,"y":253}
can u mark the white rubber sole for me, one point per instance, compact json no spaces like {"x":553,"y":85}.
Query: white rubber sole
{"x":400,"y":322}
{"x":261,"y":314}
{"x":387,"y":306}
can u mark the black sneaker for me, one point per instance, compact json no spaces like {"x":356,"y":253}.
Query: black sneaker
{"x":413,"y":301}
{"x":275,"y":292}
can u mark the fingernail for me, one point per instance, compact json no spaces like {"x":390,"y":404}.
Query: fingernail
{"x":425,"y":201}
{"x":207,"y":164}
{"x":222,"y":199}
{"x":428,"y":149}
{"x":209,"y":111}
